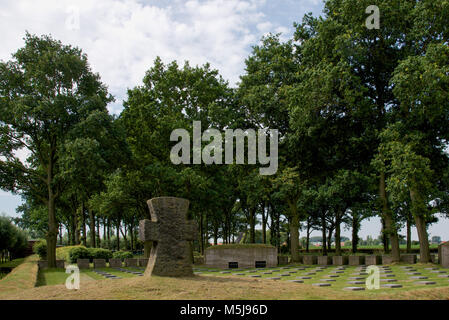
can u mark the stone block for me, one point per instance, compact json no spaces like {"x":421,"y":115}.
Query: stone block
{"x":373,"y":260}
{"x":142,"y":262}
{"x":356,"y":260}
{"x":99,"y":263}
{"x":115,"y":263}
{"x":387,"y":259}
{"x":131,"y":262}
{"x":309,"y":260}
{"x":83,"y":263}
{"x":324,"y":260}
{"x":340,"y":260}
{"x":409,"y":258}
{"x":443,"y":254}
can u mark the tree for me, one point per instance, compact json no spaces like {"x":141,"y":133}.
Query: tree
{"x":46,"y":91}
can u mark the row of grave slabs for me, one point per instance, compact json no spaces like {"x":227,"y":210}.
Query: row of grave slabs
{"x":117,"y":273}
{"x":343,"y":277}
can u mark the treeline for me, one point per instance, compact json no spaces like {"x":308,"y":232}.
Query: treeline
{"x":362,"y":118}
{"x":13,"y":241}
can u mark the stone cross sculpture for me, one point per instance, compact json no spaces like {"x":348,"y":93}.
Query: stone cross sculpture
{"x":169,"y":230}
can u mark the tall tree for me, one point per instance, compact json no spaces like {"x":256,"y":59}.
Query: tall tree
{"x":46,"y":91}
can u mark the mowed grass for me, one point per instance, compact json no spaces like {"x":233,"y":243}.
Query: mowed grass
{"x":12,"y":264}
{"x":21,"y":277}
{"x":211,"y":284}
{"x":340,"y":281}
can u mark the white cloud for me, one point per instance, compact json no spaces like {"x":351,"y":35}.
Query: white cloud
{"x":123,"y":37}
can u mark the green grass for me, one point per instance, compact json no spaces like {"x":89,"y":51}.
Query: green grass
{"x":12,"y":264}
{"x":52,"y":276}
{"x":342,"y":281}
{"x":21,"y":277}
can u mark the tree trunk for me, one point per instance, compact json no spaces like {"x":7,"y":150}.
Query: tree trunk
{"x":91,"y":227}
{"x":329,"y":239}
{"x":252,"y":225}
{"x":417,"y":205}
{"x":83,"y":217}
{"x":264,"y":224}
{"x":355,"y":233}
{"x":201,"y":234}
{"x":98,"y":233}
{"x":409,"y":235}
{"x":308,"y":235}
{"x":323,"y":229}
{"x":77,"y":228}
{"x":294,"y":230}
{"x":118,"y":235}
{"x":52,"y":233}
{"x":390,"y":225}
{"x":338,"y":234}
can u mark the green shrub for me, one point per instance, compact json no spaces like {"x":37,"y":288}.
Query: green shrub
{"x":99,"y":253}
{"x":122,"y":255}
{"x":40,"y":248}
{"x":78,"y":252}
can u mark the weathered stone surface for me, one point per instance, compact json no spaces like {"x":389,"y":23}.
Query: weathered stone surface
{"x":82,"y":263}
{"x":142,"y":262}
{"x":354,"y":288}
{"x":99,"y":263}
{"x":42,"y":264}
{"x":409,"y":258}
{"x":433,"y":258}
{"x":244,"y":257}
{"x":169,"y":230}
{"x":60,"y":264}
{"x":321,"y":284}
{"x":339,"y":260}
{"x":391,"y":285}
{"x":356,"y":260}
{"x":324,"y":260}
{"x":387,"y":259}
{"x":443,"y":254}
{"x":130,"y":262}
{"x":310,"y":260}
{"x":115,"y":263}
{"x":373,"y":260}
{"x":282,"y":260}
{"x":197,"y":260}
{"x":426,"y":282}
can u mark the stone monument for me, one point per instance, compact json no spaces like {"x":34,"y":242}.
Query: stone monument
{"x":443,"y":254}
{"x":169,"y":230}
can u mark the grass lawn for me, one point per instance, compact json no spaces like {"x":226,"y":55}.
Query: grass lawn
{"x":12,"y":264}
{"x":211,"y":284}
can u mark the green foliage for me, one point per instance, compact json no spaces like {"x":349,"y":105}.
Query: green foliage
{"x":100,"y":253}
{"x":40,"y":248}
{"x":122,"y":255}
{"x":78,"y":252}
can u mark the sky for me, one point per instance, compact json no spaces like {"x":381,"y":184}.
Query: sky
{"x":123,"y":37}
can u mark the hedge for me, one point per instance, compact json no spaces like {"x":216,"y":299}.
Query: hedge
{"x":40,"y":248}
{"x":122,"y":255}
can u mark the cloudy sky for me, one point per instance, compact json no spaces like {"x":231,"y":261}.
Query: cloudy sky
{"x":123,"y":37}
